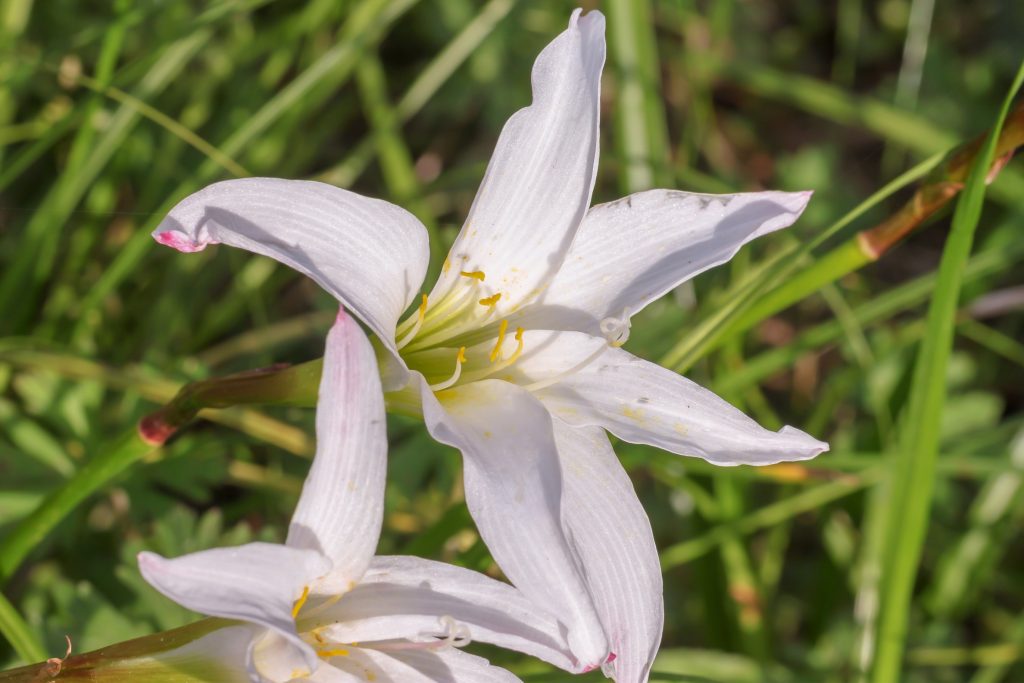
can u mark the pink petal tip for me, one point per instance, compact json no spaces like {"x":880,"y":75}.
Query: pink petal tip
{"x":179,"y":242}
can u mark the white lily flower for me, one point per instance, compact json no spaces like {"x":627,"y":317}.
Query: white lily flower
{"x":514,"y":357}
{"x":321,"y":607}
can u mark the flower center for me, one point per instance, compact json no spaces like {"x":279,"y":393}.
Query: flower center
{"x":460,"y":320}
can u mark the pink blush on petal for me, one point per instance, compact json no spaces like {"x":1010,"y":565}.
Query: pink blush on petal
{"x":179,"y":242}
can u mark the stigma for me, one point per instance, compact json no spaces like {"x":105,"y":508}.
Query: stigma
{"x":616,"y":330}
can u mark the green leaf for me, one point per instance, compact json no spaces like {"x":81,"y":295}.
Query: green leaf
{"x":912,"y":481}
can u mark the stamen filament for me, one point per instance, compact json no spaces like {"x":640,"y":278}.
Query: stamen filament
{"x":502,"y":329}
{"x":440,"y":315}
{"x":515,"y":354}
{"x":313,"y":611}
{"x":459,"y":360}
{"x":420,"y":317}
{"x":477,"y":375}
{"x":297,"y":607}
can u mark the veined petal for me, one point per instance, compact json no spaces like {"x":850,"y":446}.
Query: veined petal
{"x":613,"y":537}
{"x":257,"y":583}
{"x":585,"y":383}
{"x":513,"y":490}
{"x":342,"y":504}
{"x":630,"y":252}
{"x":538,"y":183}
{"x":409,"y":597}
{"x":371,"y":255}
{"x":420,"y":666}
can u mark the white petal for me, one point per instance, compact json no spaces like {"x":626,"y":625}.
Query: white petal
{"x":274,"y":659}
{"x":421,"y":666}
{"x":257,"y":583}
{"x":539,"y":180}
{"x":342,"y":504}
{"x":641,"y":402}
{"x":368,"y":253}
{"x":407,"y":597}
{"x":612,"y":535}
{"x":513,"y":490}
{"x":630,"y":252}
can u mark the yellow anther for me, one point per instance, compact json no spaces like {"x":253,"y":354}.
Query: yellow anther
{"x":474,"y":274}
{"x":496,"y":351}
{"x":332,"y":653}
{"x":300,"y":602}
{"x":491,"y":301}
{"x":459,"y":360}
{"x":420,"y":315}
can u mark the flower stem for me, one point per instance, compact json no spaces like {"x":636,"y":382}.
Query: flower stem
{"x":279,"y":385}
{"x":137,"y":659}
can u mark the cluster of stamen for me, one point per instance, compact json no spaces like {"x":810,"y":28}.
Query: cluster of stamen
{"x":454,"y":315}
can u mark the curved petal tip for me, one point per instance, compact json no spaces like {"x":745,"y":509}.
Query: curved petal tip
{"x":178,"y":240}
{"x":809,"y":446}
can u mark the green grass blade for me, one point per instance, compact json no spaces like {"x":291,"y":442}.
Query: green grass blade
{"x":19,"y":634}
{"x":641,"y":132}
{"x":727,"y":318}
{"x":912,"y":484}
{"x":426,"y":85}
{"x":365,"y":26}
{"x":31,"y":531}
{"x":877,"y":310}
{"x":994,"y":517}
{"x":768,"y":516}
{"x":22,"y":281}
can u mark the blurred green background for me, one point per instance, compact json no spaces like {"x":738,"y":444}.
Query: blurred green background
{"x":110,"y":112}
